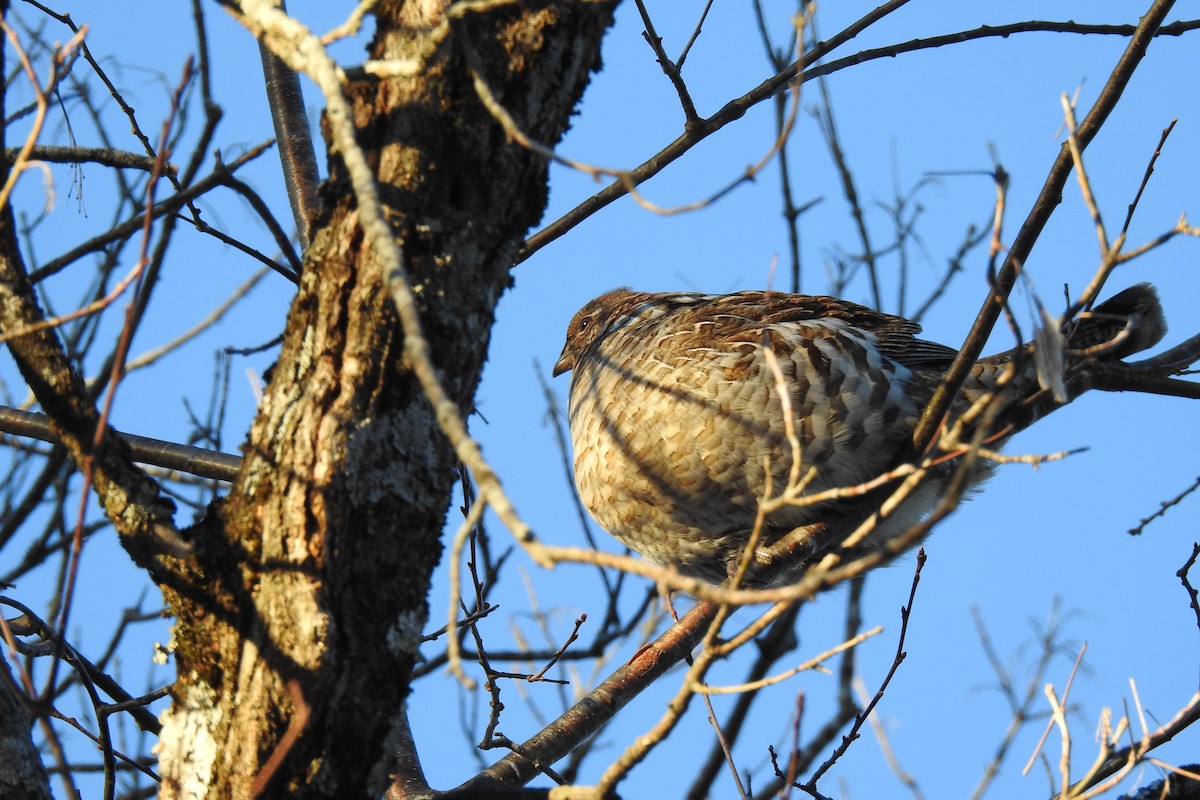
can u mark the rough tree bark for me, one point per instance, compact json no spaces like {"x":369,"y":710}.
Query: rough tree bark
{"x":301,"y":598}
{"x":321,"y":556}
{"x":22,"y":776}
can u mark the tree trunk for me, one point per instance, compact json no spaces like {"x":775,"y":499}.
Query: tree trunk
{"x":22,"y":776}
{"x":301,"y":609}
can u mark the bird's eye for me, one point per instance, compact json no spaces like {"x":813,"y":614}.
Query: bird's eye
{"x":584,"y":324}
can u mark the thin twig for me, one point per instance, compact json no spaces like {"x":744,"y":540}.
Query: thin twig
{"x":1163,"y":506}
{"x":812,"y":663}
{"x":737,"y":108}
{"x":853,"y":734}
{"x":1038,"y":216}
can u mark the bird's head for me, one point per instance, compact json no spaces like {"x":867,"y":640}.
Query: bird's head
{"x":590,"y":324}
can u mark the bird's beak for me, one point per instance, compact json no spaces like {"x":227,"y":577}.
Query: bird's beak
{"x":566,"y":361}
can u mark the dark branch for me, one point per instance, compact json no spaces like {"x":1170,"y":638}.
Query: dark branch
{"x":105,"y":156}
{"x":736,"y":109}
{"x":296,"y":153}
{"x":169,"y":455}
{"x":1047,"y":202}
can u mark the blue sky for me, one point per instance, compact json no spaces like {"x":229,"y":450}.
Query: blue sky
{"x":1032,"y":536}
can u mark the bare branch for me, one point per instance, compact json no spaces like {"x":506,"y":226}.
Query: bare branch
{"x":810,"y":69}
{"x":1039,"y":215}
{"x":181,"y":457}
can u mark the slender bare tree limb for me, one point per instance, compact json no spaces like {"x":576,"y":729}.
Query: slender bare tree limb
{"x":1039,"y":215}
{"x":736,"y":109}
{"x":104,"y":156}
{"x":132,"y":225}
{"x":143,"y":449}
{"x":297,"y":155}
{"x":600,"y":705}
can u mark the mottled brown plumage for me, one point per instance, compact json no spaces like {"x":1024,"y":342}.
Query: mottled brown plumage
{"x":679,"y":427}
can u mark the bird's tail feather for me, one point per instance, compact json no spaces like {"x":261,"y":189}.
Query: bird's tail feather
{"x":1127,"y":323}
{"x":1053,"y":370}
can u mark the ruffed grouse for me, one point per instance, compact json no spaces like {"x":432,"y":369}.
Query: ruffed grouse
{"x":678,"y":424}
